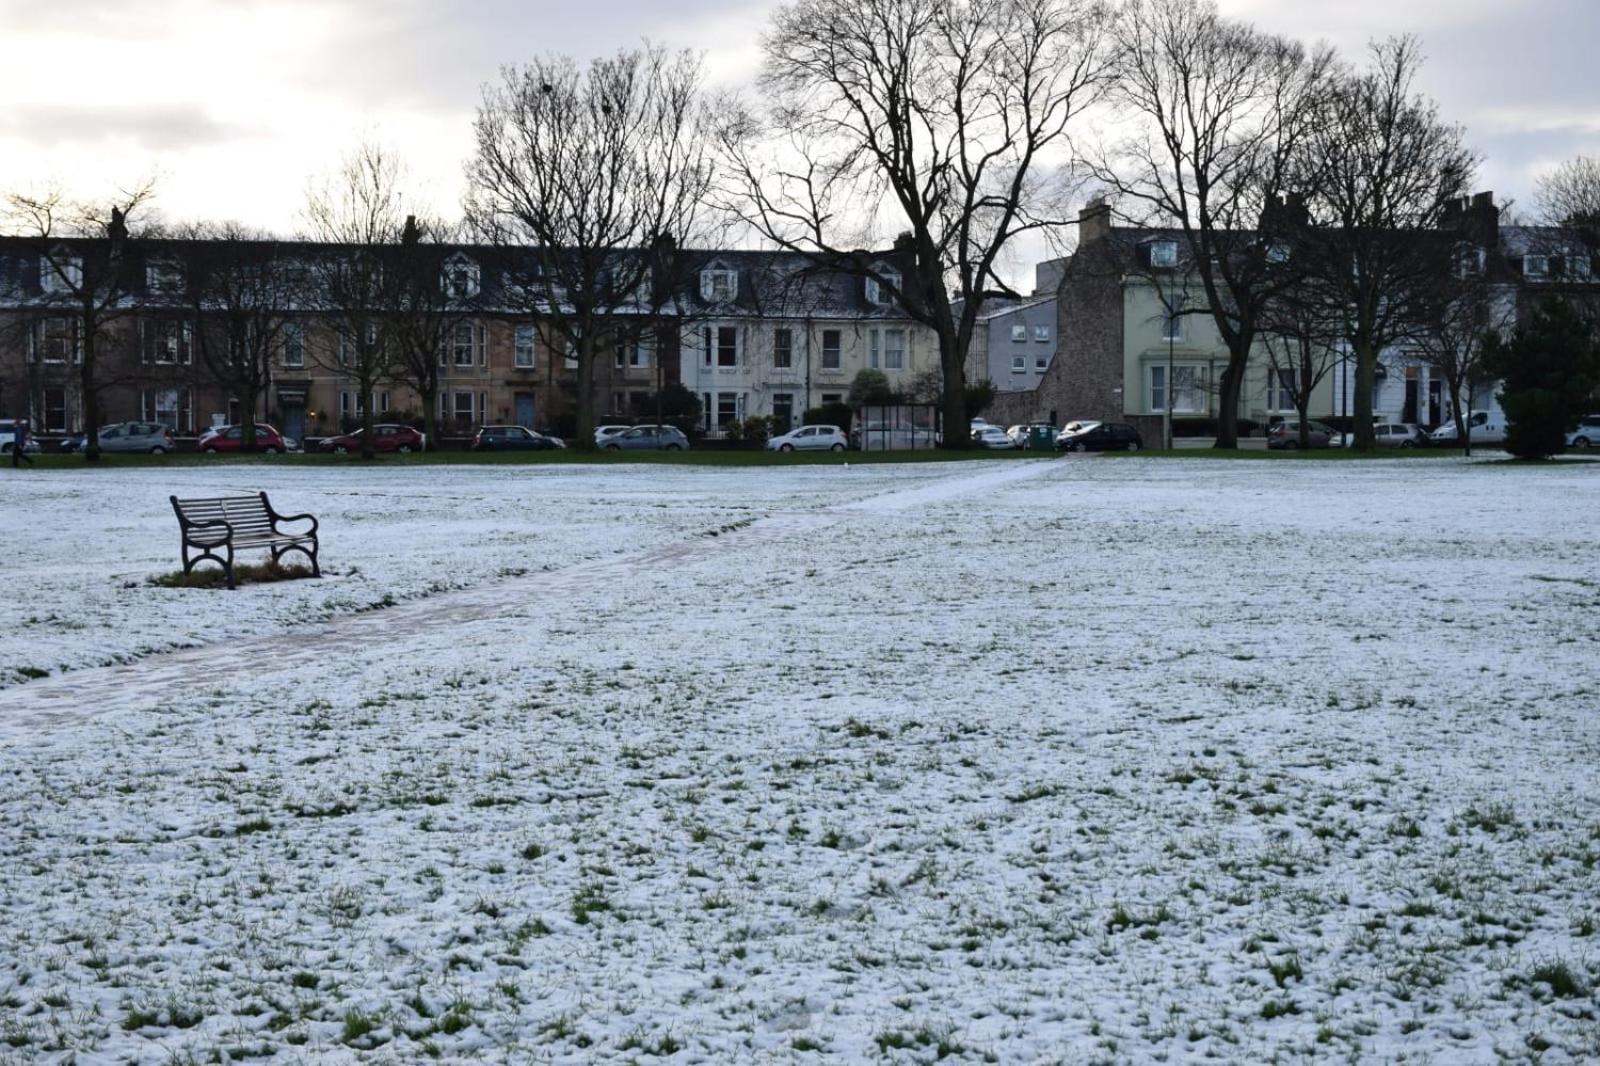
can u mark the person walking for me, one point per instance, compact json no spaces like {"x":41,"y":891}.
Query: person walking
{"x":19,"y":444}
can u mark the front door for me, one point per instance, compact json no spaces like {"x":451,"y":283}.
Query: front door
{"x":294,"y":420}
{"x":524,"y":401}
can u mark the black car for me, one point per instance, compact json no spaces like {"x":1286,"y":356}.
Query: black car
{"x":1105,"y":437}
{"x":512,"y":438}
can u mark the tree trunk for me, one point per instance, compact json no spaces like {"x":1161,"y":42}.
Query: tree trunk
{"x":586,"y":390}
{"x":957,"y":426}
{"x":367,"y":451}
{"x":91,"y":400}
{"x":430,"y":417}
{"x":247,"y":432}
{"x":1302,"y":405}
{"x":1366,"y":380}
{"x":1228,"y":404}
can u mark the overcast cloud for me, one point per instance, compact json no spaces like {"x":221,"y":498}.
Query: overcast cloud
{"x":235,"y":104}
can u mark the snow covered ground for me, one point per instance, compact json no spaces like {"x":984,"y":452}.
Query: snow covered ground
{"x":1078,"y":760}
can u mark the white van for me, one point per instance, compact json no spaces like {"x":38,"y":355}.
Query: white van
{"x":1483,"y":427}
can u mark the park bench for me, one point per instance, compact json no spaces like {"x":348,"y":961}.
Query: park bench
{"x":240,"y":522}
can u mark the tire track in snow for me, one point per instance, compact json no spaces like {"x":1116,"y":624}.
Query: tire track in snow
{"x":63,"y":700}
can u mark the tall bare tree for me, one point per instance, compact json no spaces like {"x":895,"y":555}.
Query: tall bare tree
{"x":1222,"y":115}
{"x":948,"y":122}
{"x":581,"y":170}
{"x":1302,"y":334}
{"x":425,"y":302}
{"x":1459,"y":322}
{"x":1570,"y":195}
{"x":241,"y":292}
{"x":86,"y":273}
{"x":1385,"y":165}
{"x":359,"y":214}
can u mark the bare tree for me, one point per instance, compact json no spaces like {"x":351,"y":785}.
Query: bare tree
{"x":1386,"y":165}
{"x":85,"y":274}
{"x":1570,"y":195}
{"x":583,"y":171}
{"x":1302,"y":335}
{"x":946,"y":121}
{"x":425,"y":303}
{"x":359,"y":214}
{"x":1458,"y":324}
{"x":240,"y":291}
{"x":1222,"y":116}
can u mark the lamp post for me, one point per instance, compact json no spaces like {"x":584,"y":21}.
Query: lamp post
{"x":1172,"y":341}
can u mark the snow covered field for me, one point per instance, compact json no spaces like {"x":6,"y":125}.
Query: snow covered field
{"x":1078,"y":760}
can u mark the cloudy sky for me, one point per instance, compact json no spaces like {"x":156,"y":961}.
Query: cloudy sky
{"x":234,"y":105}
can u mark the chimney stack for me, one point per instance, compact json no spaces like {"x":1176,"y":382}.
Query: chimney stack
{"x":1094,"y":221}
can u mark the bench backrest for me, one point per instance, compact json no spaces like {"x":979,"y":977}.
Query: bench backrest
{"x":246,"y":514}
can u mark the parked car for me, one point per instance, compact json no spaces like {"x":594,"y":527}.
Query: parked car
{"x":385,"y":438}
{"x":8,"y":439}
{"x":662,"y":438}
{"x":1587,"y":435}
{"x":1286,"y":436}
{"x":1482,"y":427}
{"x":1071,"y":429}
{"x":810,"y":438}
{"x":513,"y":439}
{"x":605,"y":433}
{"x":887,"y":437}
{"x":152,"y":437}
{"x":1101,"y":437}
{"x":994,"y":437}
{"x":1022,"y":434}
{"x":1394,"y":435}
{"x":230,"y":439}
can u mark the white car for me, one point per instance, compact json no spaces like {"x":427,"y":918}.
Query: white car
{"x":1483,"y":428}
{"x":601,"y":433}
{"x":1071,"y":429}
{"x":1396,"y":435}
{"x":1587,"y":435}
{"x":8,"y":437}
{"x":993,"y":437}
{"x":810,"y":438}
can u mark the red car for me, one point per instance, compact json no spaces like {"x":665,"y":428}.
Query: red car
{"x":228,"y":439}
{"x":386,"y":438}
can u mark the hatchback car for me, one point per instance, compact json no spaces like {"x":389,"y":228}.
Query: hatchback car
{"x":993,"y":437}
{"x":1394,"y":435}
{"x":1286,"y":436}
{"x":1587,"y":435}
{"x":231,"y":439}
{"x":639,"y":438}
{"x":1101,"y":437}
{"x":8,"y":438}
{"x":385,"y":438}
{"x":604,"y":433}
{"x":810,"y":438}
{"x":513,"y":439}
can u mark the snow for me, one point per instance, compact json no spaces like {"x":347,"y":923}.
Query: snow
{"x":1085,"y":759}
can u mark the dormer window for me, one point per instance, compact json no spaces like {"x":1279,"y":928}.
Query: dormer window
{"x":60,"y":271}
{"x":719,"y":286}
{"x":163,"y":275}
{"x":1277,"y":253}
{"x":1536,"y":267}
{"x":1579,"y":268}
{"x":1164,"y":254}
{"x":1469,"y":261}
{"x":460,"y":277}
{"x":879,"y":293}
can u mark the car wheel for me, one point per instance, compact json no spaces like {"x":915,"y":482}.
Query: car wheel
{"x":613,"y":448}
{"x":837,"y":448}
{"x":674,"y":448}
{"x":1290,"y":445}
{"x":404,"y":449}
{"x":340,"y":449}
{"x":210,"y":451}
{"x":1407,"y":444}
{"x":786,"y":447}
{"x":1133,"y":445}
{"x":1077,"y":447}
{"x":279,"y":450}
{"x":158,"y":450}
{"x":1580,"y":442}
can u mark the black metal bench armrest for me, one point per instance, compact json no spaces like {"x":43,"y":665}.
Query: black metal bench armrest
{"x":276,"y":518}
{"x":206,"y":540}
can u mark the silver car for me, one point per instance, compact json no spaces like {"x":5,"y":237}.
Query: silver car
{"x":1587,"y":435}
{"x":151,"y":437}
{"x":654,"y":438}
{"x":810,"y":438}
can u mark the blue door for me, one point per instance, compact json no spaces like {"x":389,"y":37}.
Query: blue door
{"x":294,"y":421}
{"x":525,"y":409}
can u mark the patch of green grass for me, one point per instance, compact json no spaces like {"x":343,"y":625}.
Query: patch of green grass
{"x":243,"y":573}
{"x":1563,"y":982}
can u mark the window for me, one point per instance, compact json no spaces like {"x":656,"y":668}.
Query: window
{"x":163,"y":275}
{"x":463,"y":336}
{"x":55,"y":410}
{"x":1041,"y":361}
{"x":292,"y":345}
{"x":57,"y":341}
{"x":1280,"y":389}
{"x":383,"y":402}
{"x":894,"y":349}
{"x":1019,"y":363}
{"x":1186,"y":389}
{"x":1164,"y":254}
{"x":832,"y":397}
{"x":830,"y":349}
{"x":721,"y":346}
{"x":347,"y":347}
{"x":879,"y":293}
{"x":1019,"y":333}
{"x":168,"y":341}
{"x":619,"y":402}
{"x":872,"y":348}
{"x":460,"y":277}
{"x":522,"y":348}
{"x":1172,"y":319}
{"x":632,"y":353}
{"x":1158,"y":388}
{"x":727,"y":408}
{"x":1536,"y":266}
{"x":1041,"y":334}
{"x":569,"y":351}
{"x":719,"y":286}
{"x":462,"y":409}
{"x":60,"y":272}
{"x":170,"y":407}
{"x":1277,"y":252}
{"x":1469,"y":261}
{"x":782,"y":349}
{"x":1579,"y":268}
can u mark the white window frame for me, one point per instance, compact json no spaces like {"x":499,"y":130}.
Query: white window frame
{"x":1019,"y":333}
{"x":1543,"y":270}
{"x":782,"y":345}
{"x":60,"y":273}
{"x":711,"y":338}
{"x":1041,"y":361}
{"x":524,"y":354}
{"x":894,"y":355}
{"x":180,"y":341}
{"x":1281,"y":382}
{"x":163,"y":275}
{"x":838,"y":349}
{"x":67,"y":345}
{"x":1164,"y":254}
{"x":1041,"y":334}
{"x":879,"y":294}
{"x":292,"y":340}
{"x":1579,"y":267}
{"x":461,"y":277}
{"x":1172,"y":323}
{"x":1019,"y":363}
{"x":719,"y":285}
